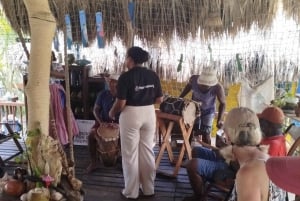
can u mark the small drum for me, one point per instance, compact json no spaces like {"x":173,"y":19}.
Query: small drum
{"x":188,"y":109}
{"x":108,"y":143}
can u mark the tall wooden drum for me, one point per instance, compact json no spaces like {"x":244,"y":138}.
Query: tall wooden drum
{"x":108,"y":143}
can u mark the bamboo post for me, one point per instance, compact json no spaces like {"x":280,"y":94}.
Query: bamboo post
{"x":129,"y":25}
{"x":68,"y":101}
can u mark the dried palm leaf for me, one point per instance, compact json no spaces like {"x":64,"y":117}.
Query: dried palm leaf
{"x":157,"y":20}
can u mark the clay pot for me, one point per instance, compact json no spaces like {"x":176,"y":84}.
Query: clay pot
{"x":14,"y":188}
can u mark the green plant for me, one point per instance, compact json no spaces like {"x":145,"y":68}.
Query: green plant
{"x":11,"y":69}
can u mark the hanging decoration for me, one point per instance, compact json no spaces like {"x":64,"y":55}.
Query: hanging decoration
{"x":99,"y":29}
{"x":256,"y":97}
{"x":179,"y":67}
{"x":83,"y":28}
{"x":238,"y":62}
{"x":131,"y":12}
{"x":56,"y":41}
{"x":68,"y":31}
{"x":211,"y":61}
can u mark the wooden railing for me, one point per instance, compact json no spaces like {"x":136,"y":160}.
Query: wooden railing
{"x":12,"y":111}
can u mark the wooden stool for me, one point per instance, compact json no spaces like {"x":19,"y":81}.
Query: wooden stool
{"x":166,"y":123}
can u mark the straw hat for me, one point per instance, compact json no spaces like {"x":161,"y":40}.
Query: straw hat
{"x":208,"y":77}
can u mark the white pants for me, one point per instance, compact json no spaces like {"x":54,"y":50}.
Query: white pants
{"x":137,"y":132}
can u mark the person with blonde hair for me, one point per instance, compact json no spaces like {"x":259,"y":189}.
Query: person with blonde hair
{"x":207,"y":165}
{"x":242,"y":129}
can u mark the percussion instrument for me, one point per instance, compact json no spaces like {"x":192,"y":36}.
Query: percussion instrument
{"x":188,"y":109}
{"x":108,"y":143}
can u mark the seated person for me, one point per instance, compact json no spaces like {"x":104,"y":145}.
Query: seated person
{"x":243,"y":131}
{"x":103,"y":104}
{"x":207,"y":163}
{"x":271,"y":122}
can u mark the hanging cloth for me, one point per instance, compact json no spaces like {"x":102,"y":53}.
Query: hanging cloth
{"x":58,"y":104}
{"x":258,"y":97}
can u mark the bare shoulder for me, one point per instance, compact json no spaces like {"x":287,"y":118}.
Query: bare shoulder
{"x":191,"y":78}
{"x":219,"y":87}
{"x":194,"y":77}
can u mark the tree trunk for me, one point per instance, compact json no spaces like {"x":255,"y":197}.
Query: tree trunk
{"x":42,"y":26}
{"x":44,"y":152}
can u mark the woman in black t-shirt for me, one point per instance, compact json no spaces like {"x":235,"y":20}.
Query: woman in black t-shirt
{"x":138,"y":90}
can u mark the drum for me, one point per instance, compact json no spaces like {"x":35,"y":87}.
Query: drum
{"x":108,"y":143}
{"x":188,"y":109}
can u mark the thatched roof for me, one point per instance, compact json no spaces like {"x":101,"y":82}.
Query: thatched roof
{"x":292,"y":9}
{"x":153,"y":19}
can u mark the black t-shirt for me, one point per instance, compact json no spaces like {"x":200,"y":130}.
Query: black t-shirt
{"x":139,"y":86}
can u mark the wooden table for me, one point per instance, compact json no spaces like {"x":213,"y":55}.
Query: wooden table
{"x":165,"y":124}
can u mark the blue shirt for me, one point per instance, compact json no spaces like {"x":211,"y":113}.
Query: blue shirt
{"x":105,"y":101}
{"x":207,"y":99}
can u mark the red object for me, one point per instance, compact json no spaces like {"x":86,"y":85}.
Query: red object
{"x":48,"y":180}
{"x":272,"y":114}
{"x":14,"y":188}
{"x":284,"y":172}
{"x":277,"y":145}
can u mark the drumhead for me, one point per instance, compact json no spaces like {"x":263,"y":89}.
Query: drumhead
{"x":189,"y":113}
{"x":108,"y":131}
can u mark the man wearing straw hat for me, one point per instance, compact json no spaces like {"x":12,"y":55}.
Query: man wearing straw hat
{"x":206,"y":89}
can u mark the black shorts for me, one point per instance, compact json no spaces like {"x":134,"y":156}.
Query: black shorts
{"x":203,"y":130}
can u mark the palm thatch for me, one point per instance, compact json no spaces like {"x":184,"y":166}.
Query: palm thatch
{"x":154,"y":19}
{"x":292,"y":9}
